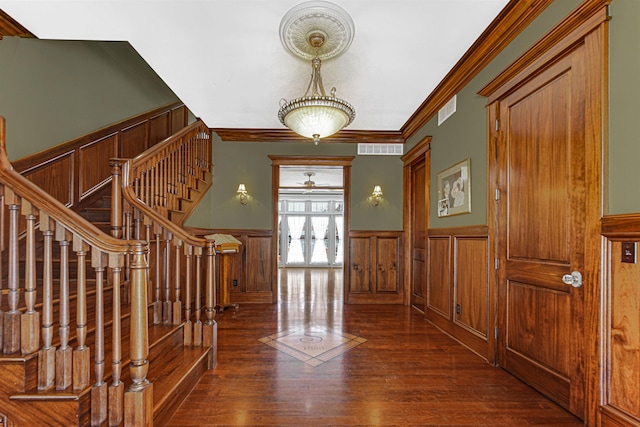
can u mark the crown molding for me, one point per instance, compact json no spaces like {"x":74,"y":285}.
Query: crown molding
{"x":513,"y":18}
{"x":285,"y":135}
{"x":10,"y":27}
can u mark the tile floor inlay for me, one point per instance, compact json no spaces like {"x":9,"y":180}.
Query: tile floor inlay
{"x":313,"y":344}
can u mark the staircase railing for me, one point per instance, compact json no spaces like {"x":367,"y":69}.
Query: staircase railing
{"x":30,"y":210}
{"x":145,"y":190}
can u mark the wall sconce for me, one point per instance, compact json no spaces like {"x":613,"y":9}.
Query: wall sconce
{"x":242,"y":192}
{"x":376,"y":196}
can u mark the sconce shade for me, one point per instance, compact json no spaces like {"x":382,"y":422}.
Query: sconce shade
{"x":241,"y":189}
{"x":377,"y":191}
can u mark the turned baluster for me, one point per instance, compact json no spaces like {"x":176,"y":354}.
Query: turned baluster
{"x":166,"y":308}
{"x":64,"y":352}
{"x":197,"y":326}
{"x":157,"y":304}
{"x":177,"y":304}
{"x":139,"y":397}
{"x":210,"y":327}
{"x":99,"y":389}
{"x":116,"y":389}
{"x":47,"y":356}
{"x":82,"y":353}
{"x":30,"y":319}
{"x":188,"y":327}
{"x":116,"y":198}
{"x":12,"y":317}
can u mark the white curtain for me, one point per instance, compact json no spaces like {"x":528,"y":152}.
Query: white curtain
{"x":296,"y":225}
{"x":340,"y":242}
{"x":320,"y":224}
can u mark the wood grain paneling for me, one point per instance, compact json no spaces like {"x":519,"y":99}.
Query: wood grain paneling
{"x":439,"y":276}
{"x":375,"y":268}
{"x":86,"y":158}
{"x":178,"y":118}
{"x":387,"y":265}
{"x":133,"y":140}
{"x":257,"y":263}
{"x":472,"y":284}
{"x":460,"y":294}
{"x":624,"y":333}
{"x":251,"y":268}
{"x":55,"y":176}
{"x":620,"y":393}
{"x":360,"y":267}
{"x":94,"y":173}
{"x":159,"y":128}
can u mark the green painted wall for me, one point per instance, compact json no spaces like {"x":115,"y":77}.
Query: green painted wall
{"x":463,"y":135}
{"x":54,"y":91}
{"x":248,"y":162}
{"x":624,"y":107}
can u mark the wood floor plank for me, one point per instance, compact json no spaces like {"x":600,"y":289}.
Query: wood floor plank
{"x":407,"y":373}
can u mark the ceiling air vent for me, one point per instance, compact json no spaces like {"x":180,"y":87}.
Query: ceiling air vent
{"x":380,"y":149}
{"x":446,"y":111}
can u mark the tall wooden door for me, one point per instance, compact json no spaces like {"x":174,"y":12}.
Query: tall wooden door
{"x":416,"y":221}
{"x":542,"y":230}
{"x":418,"y":237}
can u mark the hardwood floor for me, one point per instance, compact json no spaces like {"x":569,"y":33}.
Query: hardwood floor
{"x":406,"y":373}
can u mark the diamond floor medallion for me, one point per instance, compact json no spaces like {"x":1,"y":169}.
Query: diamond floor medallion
{"x":313,"y":344}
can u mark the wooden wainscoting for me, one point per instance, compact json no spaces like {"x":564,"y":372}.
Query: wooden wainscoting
{"x":248,"y":273}
{"x":375,"y":268}
{"x":460,"y":296}
{"x":620,"y":317}
{"x":75,"y":170}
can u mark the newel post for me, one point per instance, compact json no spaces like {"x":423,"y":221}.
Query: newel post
{"x":210,"y":327}
{"x":138,"y":399}
{"x":116,"y":197}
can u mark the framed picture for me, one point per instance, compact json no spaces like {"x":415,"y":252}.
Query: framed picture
{"x":454,"y":189}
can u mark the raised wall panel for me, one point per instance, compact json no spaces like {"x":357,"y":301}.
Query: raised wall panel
{"x":472,"y":284}
{"x":55,"y":176}
{"x":387,"y":275}
{"x":159,"y":128}
{"x":178,"y":118}
{"x":133,"y":140}
{"x":93,"y":163}
{"x":459,"y":274}
{"x":438,"y":279}
{"x":622,"y":338}
{"x":258,"y":265}
{"x":360,"y":268}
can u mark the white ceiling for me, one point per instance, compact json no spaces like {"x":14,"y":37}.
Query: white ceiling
{"x":224,"y":59}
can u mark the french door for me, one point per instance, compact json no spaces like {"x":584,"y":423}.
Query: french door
{"x":310,"y":233}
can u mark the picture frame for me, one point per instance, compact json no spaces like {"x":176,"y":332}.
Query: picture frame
{"x":454,"y":189}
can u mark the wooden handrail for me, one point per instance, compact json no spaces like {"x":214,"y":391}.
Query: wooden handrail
{"x":56,"y":210}
{"x":68,"y":367}
{"x":131,"y":166}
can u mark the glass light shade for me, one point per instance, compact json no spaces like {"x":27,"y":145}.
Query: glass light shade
{"x":377,"y":191}
{"x":241,"y":189}
{"x":316,"y":116}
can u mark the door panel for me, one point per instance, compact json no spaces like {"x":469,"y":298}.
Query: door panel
{"x":543,"y":231}
{"x":418,"y":236}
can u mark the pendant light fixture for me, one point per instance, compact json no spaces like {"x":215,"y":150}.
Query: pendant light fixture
{"x":316,"y":30}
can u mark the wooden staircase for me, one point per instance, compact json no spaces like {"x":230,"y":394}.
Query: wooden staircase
{"x":94,"y":331}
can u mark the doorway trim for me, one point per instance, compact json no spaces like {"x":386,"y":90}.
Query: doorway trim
{"x":276,"y":162}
